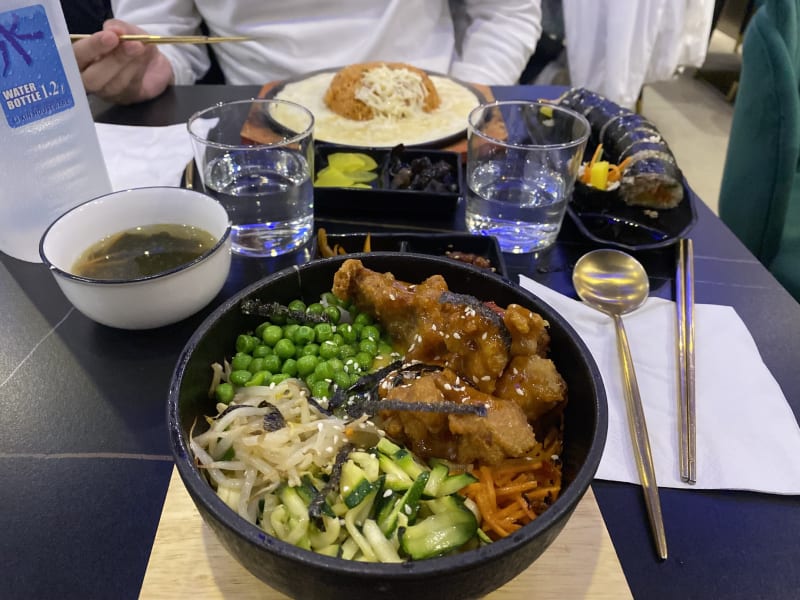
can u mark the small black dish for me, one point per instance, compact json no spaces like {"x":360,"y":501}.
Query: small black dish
{"x":435,"y":244}
{"x":603,"y":217}
{"x":382,"y":198}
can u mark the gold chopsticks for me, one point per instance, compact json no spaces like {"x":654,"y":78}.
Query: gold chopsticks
{"x":168,"y":39}
{"x":684,"y":293}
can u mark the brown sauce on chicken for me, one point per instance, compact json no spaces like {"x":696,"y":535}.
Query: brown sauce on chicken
{"x":491,"y":356}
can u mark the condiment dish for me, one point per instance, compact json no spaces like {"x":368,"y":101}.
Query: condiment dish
{"x":152,"y":299}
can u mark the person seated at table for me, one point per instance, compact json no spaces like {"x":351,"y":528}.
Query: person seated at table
{"x":479,"y":41}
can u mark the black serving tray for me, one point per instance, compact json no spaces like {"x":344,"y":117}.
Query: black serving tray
{"x":436,"y":244}
{"x":381,"y":199}
{"x":604,"y":218}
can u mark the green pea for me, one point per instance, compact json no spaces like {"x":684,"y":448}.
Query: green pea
{"x":284,"y":349}
{"x":368,"y":346}
{"x":306,"y":364}
{"x":337,"y":338}
{"x":384,"y":349}
{"x":240,"y":377}
{"x":303,"y":335}
{"x":261,"y":351}
{"x":370,"y":332}
{"x":362,"y":319}
{"x":315,"y":309}
{"x":272,"y":334}
{"x":297,"y":305}
{"x":289,"y":330}
{"x":224,"y":393}
{"x":354,"y":378}
{"x":364,"y":360}
{"x":349,"y":335}
{"x":330,"y":299}
{"x":256,"y":365}
{"x":289,"y":367}
{"x":241,"y":362}
{"x":310,"y":379}
{"x":323,"y":332}
{"x":321,"y":389}
{"x":328,"y":349}
{"x":336,"y":364}
{"x":260,"y":378}
{"x":260,"y":329}
{"x":272,"y":363}
{"x":333,"y":313}
{"x":347,"y":351}
{"x":323,"y":370}
{"x":278,"y":377}
{"x":311,"y":349}
{"x":341,"y":379}
{"x":245,"y":343}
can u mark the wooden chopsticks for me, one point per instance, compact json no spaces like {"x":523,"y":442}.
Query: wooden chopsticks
{"x":168,"y":39}
{"x":684,"y":293}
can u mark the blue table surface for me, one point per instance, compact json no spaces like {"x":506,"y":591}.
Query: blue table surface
{"x":84,"y":454}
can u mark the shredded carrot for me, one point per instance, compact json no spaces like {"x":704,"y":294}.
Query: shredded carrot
{"x":614,"y":171}
{"x":511,"y":494}
{"x":322,"y":241}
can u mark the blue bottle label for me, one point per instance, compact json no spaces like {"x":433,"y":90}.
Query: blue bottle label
{"x":33,"y":84}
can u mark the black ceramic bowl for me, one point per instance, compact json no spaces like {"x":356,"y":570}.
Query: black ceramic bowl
{"x":303,"y":574}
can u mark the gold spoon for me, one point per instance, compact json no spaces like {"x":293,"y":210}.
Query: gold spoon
{"x":615,"y":283}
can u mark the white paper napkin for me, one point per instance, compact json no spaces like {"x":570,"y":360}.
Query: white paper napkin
{"x":747,"y":435}
{"x":144,"y":156}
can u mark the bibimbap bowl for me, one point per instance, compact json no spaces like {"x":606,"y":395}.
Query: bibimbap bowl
{"x":301,"y":573}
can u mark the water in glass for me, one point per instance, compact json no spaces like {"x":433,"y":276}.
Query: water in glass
{"x":269,"y":198}
{"x":523,"y":213}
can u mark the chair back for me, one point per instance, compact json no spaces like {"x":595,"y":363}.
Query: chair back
{"x":760,"y":192}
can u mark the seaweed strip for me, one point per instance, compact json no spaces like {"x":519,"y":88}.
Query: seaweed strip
{"x":269,"y":310}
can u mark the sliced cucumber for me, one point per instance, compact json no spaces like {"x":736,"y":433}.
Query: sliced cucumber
{"x":440,"y":533}
{"x":454,"y":483}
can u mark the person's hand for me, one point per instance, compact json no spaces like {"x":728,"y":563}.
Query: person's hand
{"x":121,"y":72}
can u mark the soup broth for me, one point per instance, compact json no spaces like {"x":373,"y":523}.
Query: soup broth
{"x":143,"y":251}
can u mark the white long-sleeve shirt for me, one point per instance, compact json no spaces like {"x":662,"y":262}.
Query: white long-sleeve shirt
{"x":293,"y":37}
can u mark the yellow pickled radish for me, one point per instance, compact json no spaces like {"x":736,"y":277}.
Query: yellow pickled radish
{"x":352,"y":161}
{"x":330,"y":177}
{"x":598,"y":176}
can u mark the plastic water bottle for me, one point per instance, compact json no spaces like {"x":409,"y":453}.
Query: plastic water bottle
{"x":50,"y":159}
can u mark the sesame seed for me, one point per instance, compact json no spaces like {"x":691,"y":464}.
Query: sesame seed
{"x":392,"y":297}
{"x":485,"y":334}
{"x":411,"y":347}
{"x":387,"y":493}
{"x":475,"y":379}
{"x":407,"y":509}
{"x":519,"y":392}
{"x":448,"y":387}
{"x":515,"y":371}
{"x":433,"y":327}
{"x":457,"y":335}
{"x":555,"y":457}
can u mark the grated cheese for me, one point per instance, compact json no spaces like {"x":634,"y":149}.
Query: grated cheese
{"x":392,"y":93}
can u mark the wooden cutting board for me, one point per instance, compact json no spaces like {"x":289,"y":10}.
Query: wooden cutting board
{"x":187,"y":561}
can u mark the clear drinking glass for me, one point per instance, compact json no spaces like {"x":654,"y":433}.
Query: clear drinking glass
{"x":522,"y":161}
{"x":257,"y":158}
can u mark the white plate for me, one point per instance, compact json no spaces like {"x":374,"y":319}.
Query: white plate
{"x":442,"y":126}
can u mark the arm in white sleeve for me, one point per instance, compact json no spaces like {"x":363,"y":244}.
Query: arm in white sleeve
{"x":499,"y":40}
{"x":169,"y":17}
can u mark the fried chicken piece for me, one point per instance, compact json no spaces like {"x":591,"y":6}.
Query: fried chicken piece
{"x":434,"y":325}
{"x":528,"y":331}
{"x":534,"y":384}
{"x":503,"y":433}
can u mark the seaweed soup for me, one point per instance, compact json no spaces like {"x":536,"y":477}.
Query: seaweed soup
{"x":143,"y":251}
